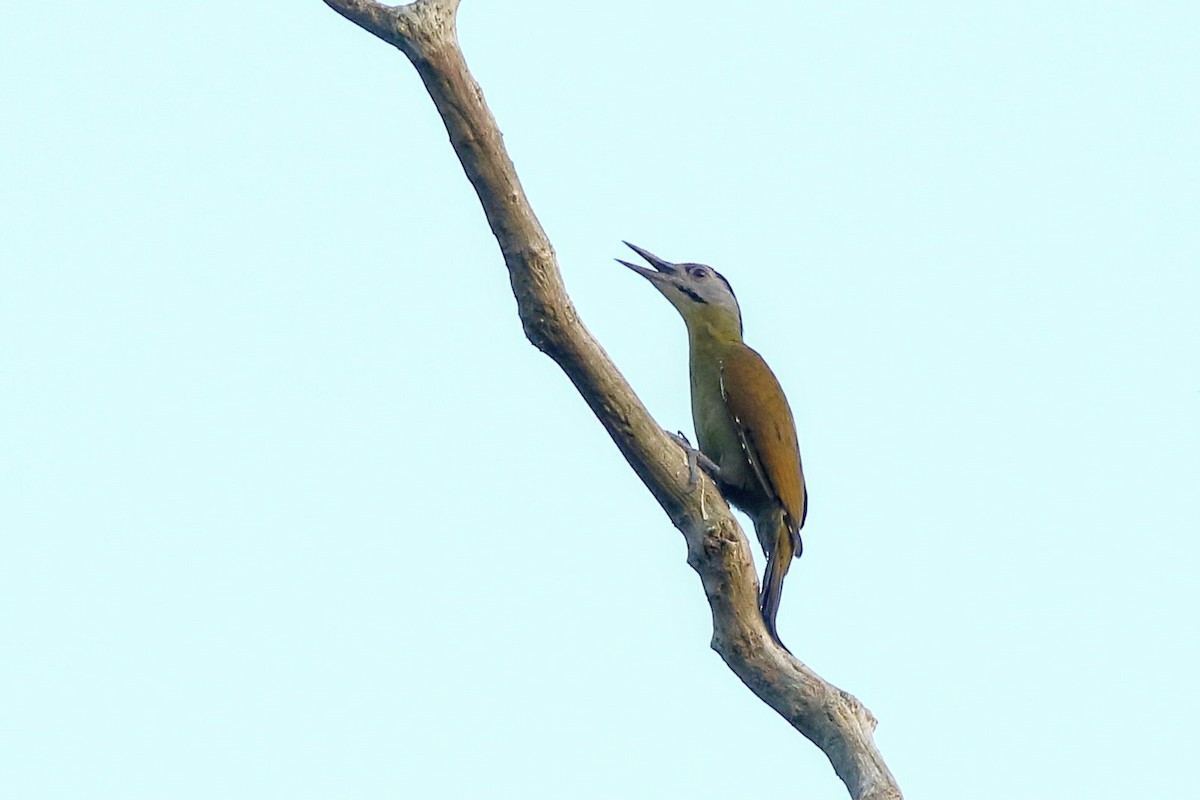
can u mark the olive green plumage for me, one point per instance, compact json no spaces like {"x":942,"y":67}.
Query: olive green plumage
{"x":743,"y":422}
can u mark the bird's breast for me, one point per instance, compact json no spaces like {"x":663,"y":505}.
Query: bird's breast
{"x":716,"y":430}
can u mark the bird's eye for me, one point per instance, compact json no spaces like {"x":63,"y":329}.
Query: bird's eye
{"x":699,"y":273}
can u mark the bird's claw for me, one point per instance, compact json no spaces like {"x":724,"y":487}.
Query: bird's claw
{"x":693,"y":457}
{"x":695,"y":460}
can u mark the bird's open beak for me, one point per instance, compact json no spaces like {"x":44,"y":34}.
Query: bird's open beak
{"x":664,"y":267}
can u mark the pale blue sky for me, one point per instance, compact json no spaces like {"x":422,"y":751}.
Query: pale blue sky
{"x":291,"y":509}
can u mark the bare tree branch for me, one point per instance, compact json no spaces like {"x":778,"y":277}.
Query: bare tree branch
{"x":718,"y":550}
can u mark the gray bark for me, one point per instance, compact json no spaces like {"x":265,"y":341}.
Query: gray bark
{"x":718,"y":550}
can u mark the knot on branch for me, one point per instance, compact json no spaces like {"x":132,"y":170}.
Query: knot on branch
{"x":547,"y":315}
{"x":847,"y":711}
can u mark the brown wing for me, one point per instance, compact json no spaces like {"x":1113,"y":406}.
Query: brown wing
{"x":764,"y":421}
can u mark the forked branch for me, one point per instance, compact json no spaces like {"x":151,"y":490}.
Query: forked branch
{"x":717,"y":548}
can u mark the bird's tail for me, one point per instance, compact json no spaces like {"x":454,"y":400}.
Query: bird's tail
{"x":772,"y":591}
{"x":779,"y":559}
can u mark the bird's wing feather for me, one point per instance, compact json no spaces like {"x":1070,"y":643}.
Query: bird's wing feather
{"x":746,"y":438}
{"x":760,"y":412}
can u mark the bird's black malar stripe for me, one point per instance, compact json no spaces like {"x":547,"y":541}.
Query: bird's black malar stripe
{"x":690,"y":293}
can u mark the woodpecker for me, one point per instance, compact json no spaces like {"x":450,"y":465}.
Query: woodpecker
{"x":743,"y":423}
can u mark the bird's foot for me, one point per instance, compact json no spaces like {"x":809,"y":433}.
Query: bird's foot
{"x":696,"y":459}
{"x":693,"y":456}
{"x":696,"y":462}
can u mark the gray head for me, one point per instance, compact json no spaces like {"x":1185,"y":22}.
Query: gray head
{"x":700,"y":293}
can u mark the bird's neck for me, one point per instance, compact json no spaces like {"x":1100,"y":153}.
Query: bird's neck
{"x":709,"y":330}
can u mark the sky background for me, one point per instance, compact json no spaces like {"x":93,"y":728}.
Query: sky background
{"x":291,"y":509}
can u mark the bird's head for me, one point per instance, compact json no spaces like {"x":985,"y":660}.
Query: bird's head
{"x":701,"y":294}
